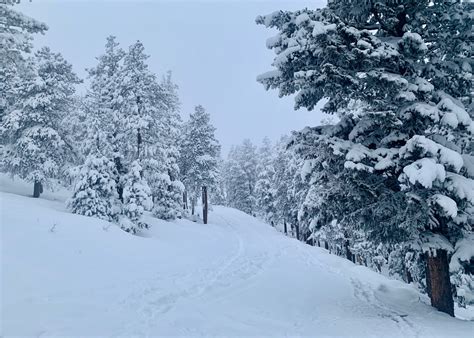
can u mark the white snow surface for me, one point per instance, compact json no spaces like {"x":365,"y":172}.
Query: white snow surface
{"x":71,"y":275}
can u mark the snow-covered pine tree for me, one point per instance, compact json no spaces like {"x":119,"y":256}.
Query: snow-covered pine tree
{"x":217,"y":194}
{"x":102,"y":105}
{"x":150,"y":129}
{"x":163,"y":169}
{"x":95,"y":191}
{"x":200,"y":153}
{"x":140,"y":112}
{"x":241,"y":177}
{"x":35,"y":148}
{"x":136,"y":199}
{"x":400,"y":85}
{"x":281,"y":185}
{"x":264,"y":193}
{"x":16,"y":35}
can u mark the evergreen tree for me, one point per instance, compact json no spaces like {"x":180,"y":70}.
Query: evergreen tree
{"x":139,"y":112}
{"x":95,"y":192}
{"x":200,"y":152}
{"x":151,"y":123}
{"x":281,"y":185}
{"x":241,"y":177}
{"x":102,"y":106}
{"x":218,"y":192}
{"x":167,"y":187}
{"x":393,"y":166}
{"x":35,"y":149}
{"x":136,"y":199}
{"x":16,"y":35}
{"x":264,"y":193}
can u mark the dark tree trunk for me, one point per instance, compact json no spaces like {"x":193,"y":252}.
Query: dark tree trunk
{"x":204,"y":205}
{"x":348,"y":250}
{"x":326,"y":245}
{"x":438,"y":282}
{"x":120,"y":172}
{"x":192,"y":206}
{"x":409,"y":278}
{"x":297,"y":228}
{"x":285,"y":228}
{"x":37,"y":189}
{"x":185,"y":200}
{"x":139,"y":142}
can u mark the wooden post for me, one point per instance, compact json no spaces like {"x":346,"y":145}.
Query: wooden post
{"x":204,"y":204}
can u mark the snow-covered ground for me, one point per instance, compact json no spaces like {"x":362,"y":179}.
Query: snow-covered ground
{"x":64,"y":274}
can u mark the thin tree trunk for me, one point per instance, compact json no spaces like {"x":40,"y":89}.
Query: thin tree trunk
{"x":297,"y":231}
{"x":204,"y":205}
{"x":439,"y":284}
{"x":139,"y":142}
{"x":348,"y":250}
{"x":120,"y":172}
{"x":409,"y":278}
{"x":185,"y":200}
{"x":285,"y":228}
{"x":37,"y":189}
{"x":192,"y":206}
{"x":326,"y":245}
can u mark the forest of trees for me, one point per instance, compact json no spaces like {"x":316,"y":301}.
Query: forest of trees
{"x":122,"y":147}
{"x":387,"y":181}
{"x":393,"y":181}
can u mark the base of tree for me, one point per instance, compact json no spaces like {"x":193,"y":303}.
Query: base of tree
{"x":439,"y":284}
{"x":37,"y":189}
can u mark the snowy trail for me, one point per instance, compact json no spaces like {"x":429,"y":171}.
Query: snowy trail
{"x":234,"y":276}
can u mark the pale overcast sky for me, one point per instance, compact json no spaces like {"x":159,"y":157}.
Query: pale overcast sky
{"x":214,"y":50}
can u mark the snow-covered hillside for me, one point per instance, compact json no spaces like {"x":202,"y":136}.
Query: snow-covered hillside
{"x":64,"y":274}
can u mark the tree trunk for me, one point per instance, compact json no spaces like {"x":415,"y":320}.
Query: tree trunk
{"x":348,"y":250}
{"x":409,"y":278}
{"x":37,"y":189}
{"x":326,"y":245}
{"x":285,"y":228}
{"x":139,"y":143}
{"x":297,"y":231}
{"x":185,"y":200}
{"x":204,"y":205}
{"x":120,"y":172}
{"x":439,"y":284}
{"x":192,"y":206}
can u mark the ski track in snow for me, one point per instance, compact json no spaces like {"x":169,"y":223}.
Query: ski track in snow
{"x":366,"y":295}
{"x":222,"y":274}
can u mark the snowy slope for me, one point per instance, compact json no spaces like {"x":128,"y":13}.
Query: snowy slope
{"x":65,"y":274}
